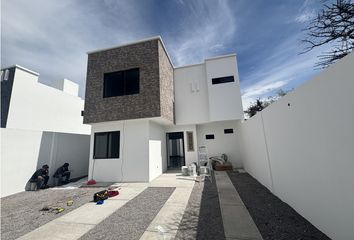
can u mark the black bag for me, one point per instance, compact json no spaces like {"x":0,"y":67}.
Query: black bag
{"x":102,"y":195}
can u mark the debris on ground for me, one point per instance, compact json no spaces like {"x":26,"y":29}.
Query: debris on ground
{"x":70,"y":203}
{"x":55,"y":209}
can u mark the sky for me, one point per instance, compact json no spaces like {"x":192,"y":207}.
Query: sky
{"x":52,"y":37}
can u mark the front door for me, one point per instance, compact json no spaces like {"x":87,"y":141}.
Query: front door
{"x":175,"y":150}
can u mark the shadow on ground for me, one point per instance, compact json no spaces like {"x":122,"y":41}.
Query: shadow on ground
{"x":274,"y":218}
{"x":202,"y":217}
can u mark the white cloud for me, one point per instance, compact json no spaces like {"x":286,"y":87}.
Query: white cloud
{"x":211,"y":25}
{"x":305,"y":17}
{"x":306,"y":12}
{"x":52,"y":37}
{"x":278,"y":70}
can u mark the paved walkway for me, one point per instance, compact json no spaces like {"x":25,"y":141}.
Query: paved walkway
{"x":78,"y":222}
{"x":238,"y":224}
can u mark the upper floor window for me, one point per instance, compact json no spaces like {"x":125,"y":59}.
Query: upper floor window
{"x":223,"y":80}
{"x":121,"y":83}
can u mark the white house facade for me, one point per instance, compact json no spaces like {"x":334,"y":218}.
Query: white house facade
{"x":148,"y":116}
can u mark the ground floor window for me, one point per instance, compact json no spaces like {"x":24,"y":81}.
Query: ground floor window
{"x":106,"y":145}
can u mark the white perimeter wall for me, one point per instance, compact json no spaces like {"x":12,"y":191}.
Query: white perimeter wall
{"x":230,"y":144}
{"x":310,"y":147}
{"x":35,"y":106}
{"x":24,"y":151}
{"x":133,"y":162}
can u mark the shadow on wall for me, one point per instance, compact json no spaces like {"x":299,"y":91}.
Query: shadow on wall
{"x":59,"y":148}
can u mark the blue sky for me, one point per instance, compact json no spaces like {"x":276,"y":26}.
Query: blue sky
{"x":52,"y":37}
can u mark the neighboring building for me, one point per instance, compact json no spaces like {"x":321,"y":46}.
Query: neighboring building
{"x":39,"y":125}
{"x":29,"y":104}
{"x":148,"y":116}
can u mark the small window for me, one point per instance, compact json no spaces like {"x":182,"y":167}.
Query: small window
{"x":190,"y":143}
{"x":6,"y":75}
{"x":229,"y":131}
{"x":209,"y":136}
{"x":106,"y":145}
{"x":223,"y":80}
{"x":121,"y":83}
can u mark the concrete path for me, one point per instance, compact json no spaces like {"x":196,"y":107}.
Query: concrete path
{"x":81,"y":220}
{"x":165,"y":224}
{"x":238,"y":224}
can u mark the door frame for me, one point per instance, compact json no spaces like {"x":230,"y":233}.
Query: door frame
{"x":167,"y":148}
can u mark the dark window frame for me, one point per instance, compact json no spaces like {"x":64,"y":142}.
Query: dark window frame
{"x":124,"y":91}
{"x":221,"y":80}
{"x":228,"y":131}
{"x":108,"y":154}
{"x":209,"y":136}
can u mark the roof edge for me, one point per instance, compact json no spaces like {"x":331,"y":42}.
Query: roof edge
{"x":22,"y":68}
{"x":158,"y":37}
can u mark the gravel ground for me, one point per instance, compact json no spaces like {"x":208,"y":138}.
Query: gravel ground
{"x":132,"y":219}
{"x":202,"y":217}
{"x":274,"y":218}
{"x":20,"y":213}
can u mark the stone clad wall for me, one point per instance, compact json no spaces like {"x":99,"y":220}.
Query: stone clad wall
{"x":166,"y":85}
{"x":143,"y":55}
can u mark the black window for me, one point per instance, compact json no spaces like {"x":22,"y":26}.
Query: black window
{"x":106,"y":145}
{"x":223,"y":80}
{"x":121,"y":83}
{"x":209,"y":136}
{"x":228,"y":130}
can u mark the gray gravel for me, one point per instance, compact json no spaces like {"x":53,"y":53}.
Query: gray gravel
{"x":202,"y":217}
{"x":132,"y":219}
{"x":20,"y":213}
{"x":274,"y":218}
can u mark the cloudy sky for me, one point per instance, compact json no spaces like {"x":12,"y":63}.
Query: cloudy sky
{"x":52,"y":37}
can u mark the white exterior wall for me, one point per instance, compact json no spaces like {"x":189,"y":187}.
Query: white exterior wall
{"x":191,"y":95}
{"x":133,"y":162}
{"x":24,"y":151}
{"x":224,"y":99}
{"x":198,"y":101}
{"x":254,"y":150}
{"x":190,"y":156}
{"x":157,"y":150}
{"x":67,"y":86}
{"x":35,"y":106}
{"x":311,"y":149}
{"x":229,"y":144}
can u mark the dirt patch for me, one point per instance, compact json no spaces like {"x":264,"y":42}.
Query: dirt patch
{"x":274,"y":218}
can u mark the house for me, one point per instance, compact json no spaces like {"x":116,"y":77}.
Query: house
{"x":40,"y":125}
{"x":148,"y":116}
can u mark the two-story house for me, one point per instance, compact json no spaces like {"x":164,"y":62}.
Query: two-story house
{"x":148,"y":116}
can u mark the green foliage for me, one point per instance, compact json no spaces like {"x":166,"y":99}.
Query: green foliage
{"x":261,"y":104}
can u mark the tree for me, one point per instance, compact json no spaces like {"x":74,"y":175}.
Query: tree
{"x":261,"y":104}
{"x":258,"y":106}
{"x":333,"y":25}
